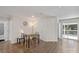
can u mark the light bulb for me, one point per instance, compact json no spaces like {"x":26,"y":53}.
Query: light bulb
{"x":33,"y":16}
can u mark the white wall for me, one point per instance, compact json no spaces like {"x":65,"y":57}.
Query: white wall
{"x":47,"y":27}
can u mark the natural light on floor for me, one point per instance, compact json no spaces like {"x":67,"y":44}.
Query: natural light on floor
{"x":70,"y":37}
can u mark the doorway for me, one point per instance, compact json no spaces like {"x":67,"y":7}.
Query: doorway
{"x":4,"y":35}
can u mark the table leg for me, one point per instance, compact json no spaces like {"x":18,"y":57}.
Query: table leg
{"x":24,"y":42}
{"x":17,"y":40}
{"x":38,"y":40}
{"x":28,"y":43}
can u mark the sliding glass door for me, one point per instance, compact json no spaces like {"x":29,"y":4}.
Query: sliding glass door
{"x":70,"y":30}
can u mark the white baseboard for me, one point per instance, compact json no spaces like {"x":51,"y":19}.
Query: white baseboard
{"x":12,"y":41}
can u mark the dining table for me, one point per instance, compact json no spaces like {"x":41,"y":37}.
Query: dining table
{"x":28,"y":39}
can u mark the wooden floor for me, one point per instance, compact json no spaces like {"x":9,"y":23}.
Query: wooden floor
{"x":62,"y":46}
{"x":68,"y":46}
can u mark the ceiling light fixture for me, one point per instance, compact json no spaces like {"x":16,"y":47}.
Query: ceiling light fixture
{"x":33,"y":16}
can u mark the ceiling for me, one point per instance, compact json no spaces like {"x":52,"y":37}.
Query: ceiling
{"x":59,"y":11}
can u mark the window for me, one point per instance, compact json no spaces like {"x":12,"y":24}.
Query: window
{"x":70,"y":30}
